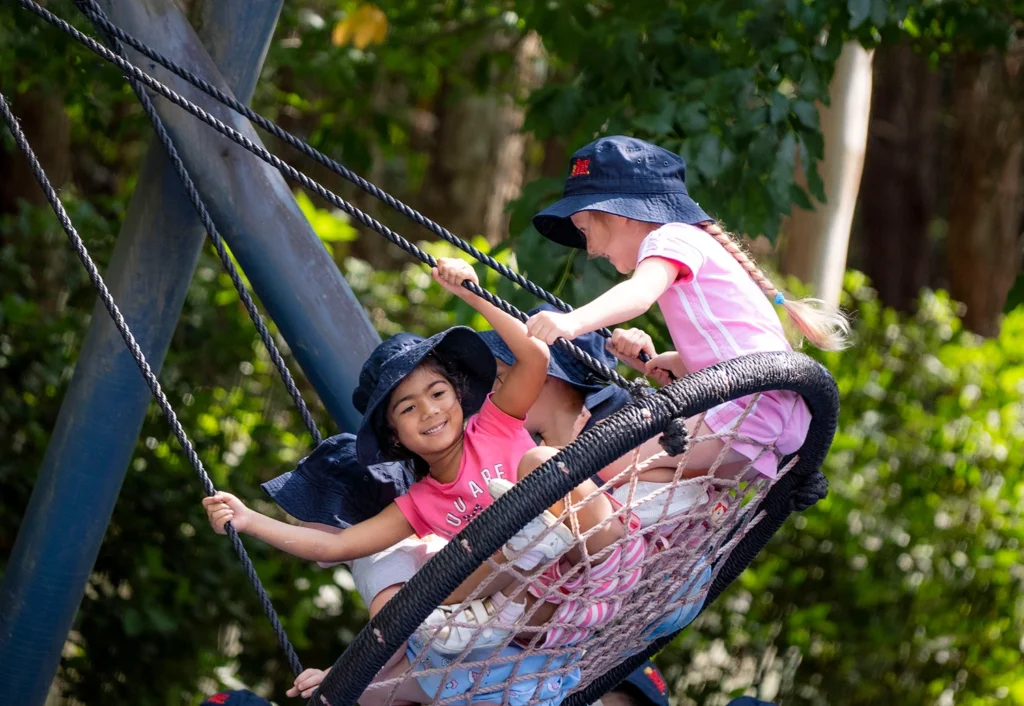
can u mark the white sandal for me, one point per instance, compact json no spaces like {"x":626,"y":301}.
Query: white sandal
{"x":555,"y":538}
{"x":648,"y":511}
{"x":455,"y":632}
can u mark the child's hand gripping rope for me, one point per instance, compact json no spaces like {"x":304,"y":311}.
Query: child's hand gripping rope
{"x":223,"y":508}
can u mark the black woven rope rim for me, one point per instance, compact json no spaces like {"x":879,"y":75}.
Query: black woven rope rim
{"x":147,"y":374}
{"x":306,"y":182}
{"x":617,"y":435}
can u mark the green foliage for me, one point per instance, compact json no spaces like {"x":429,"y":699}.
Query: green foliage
{"x":730,"y":86}
{"x":165,"y":590}
{"x":904,"y":585}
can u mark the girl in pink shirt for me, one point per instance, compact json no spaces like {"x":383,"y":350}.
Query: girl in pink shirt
{"x":429,"y":402}
{"x":626,"y":200}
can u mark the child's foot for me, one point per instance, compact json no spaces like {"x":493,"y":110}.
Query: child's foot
{"x":455,"y":631}
{"x":555,"y":538}
{"x":665,"y":505}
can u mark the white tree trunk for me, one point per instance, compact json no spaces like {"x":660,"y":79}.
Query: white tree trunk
{"x":817,"y":241}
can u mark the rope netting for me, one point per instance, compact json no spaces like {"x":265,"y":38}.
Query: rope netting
{"x":602,"y":600}
{"x":627,"y":579}
{"x":630,"y":570}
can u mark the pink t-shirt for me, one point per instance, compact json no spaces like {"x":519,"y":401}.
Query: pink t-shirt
{"x":716,"y":312}
{"x":492,"y":446}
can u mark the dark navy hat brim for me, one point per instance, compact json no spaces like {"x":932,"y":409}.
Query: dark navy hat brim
{"x":332,"y":487}
{"x":241,"y":697}
{"x":554,"y":222}
{"x":649,"y":684}
{"x":562,"y":365}
{"x":460,"y":347}
{"x":498,"y":348}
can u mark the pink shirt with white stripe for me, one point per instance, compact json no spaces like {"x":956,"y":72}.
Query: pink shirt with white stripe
{"x":715,"y":312}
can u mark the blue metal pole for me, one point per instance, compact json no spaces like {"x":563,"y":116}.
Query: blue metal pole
{"x":103,"y":410}
{"x":327,"y":330}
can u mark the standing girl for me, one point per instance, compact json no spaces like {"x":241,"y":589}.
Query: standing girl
{"x":626,"y":200}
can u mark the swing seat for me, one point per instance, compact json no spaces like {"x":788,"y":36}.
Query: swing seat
{"x":616,"y":607}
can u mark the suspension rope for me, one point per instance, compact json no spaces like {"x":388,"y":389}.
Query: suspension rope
{"x":322,"y":159}
{"x":147,"y":372}
{"x":339,"y":169}
{"x":90,"y":8}
{"x":308,"y":183}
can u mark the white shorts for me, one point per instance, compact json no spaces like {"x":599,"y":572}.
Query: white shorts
{"x":392,"y":566}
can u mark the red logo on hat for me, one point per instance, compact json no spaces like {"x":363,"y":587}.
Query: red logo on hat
{"x":221,"y":698}
{"x":655,"y":676}
{"x":581,"y":167}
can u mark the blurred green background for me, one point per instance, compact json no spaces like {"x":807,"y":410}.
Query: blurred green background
{"x":903,"y":587}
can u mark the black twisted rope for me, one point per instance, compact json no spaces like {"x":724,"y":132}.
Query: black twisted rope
{"x":336,"y":167}
{"x":147,"y":372}
{"x":134,"y":72}
{"x":91,"y":9}
{"x":594,"y":449}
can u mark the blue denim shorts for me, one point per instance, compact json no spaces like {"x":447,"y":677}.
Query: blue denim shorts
{"x":686,"y":613}
{"x":549,"y":690}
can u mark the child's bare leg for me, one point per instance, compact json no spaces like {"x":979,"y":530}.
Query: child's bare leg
{"x":595,"y":513}
{"x":409,"y":691}
{"x":701,"y":457}
{"x":484,"y":575}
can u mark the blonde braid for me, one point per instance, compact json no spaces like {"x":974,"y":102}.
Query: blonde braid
{"x":822,"y":324}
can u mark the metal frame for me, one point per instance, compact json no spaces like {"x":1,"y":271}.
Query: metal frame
{"x":149,"y":275}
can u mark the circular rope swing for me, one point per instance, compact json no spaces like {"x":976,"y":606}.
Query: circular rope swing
{"x":610,"y":601}
{"x":686,"y":561}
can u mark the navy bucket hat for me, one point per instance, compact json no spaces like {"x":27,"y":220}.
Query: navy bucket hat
{"x":242,"y":697}
{"x":623,"y":176}
{"x":332,"y":487}
{"x":599,"y":397}
{"x":562,"y":364}
{"x":647,"y":682}
{"x":459,"y":349}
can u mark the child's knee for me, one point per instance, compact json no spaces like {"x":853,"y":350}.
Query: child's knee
{"x":534,"y":459}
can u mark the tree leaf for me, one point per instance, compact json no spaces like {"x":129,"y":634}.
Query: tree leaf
{"x":814,"y":182}
{"x":880,"y":12}
{"x":806,"y":112}
{"x":365,"y":26}
{"x":657,"y":124}
{"x":783,"y":171}
{"x":708,"y":161}
{"x":787,"y":45}
{"x":800,"y":198}
{"x":859,"y":11}
{"x":1016,"y":296}
{"x":779,"y":108}
{"x":691,"y":118}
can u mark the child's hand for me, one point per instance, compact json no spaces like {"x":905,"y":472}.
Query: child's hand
{"x":549,"y":326}
{"x":661,"y":365}
{"x":306,"y":682}
{"x":451,"y":272}
{"x":225,"y":507}
{"x":628,"y":344}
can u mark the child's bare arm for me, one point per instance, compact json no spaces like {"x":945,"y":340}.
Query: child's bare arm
{"x":376,"y":534}
{"x":623,"y":302}
{"x":526,"y":378}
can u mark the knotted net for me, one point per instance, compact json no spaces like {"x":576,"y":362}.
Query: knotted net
{"x":630,"y":579}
